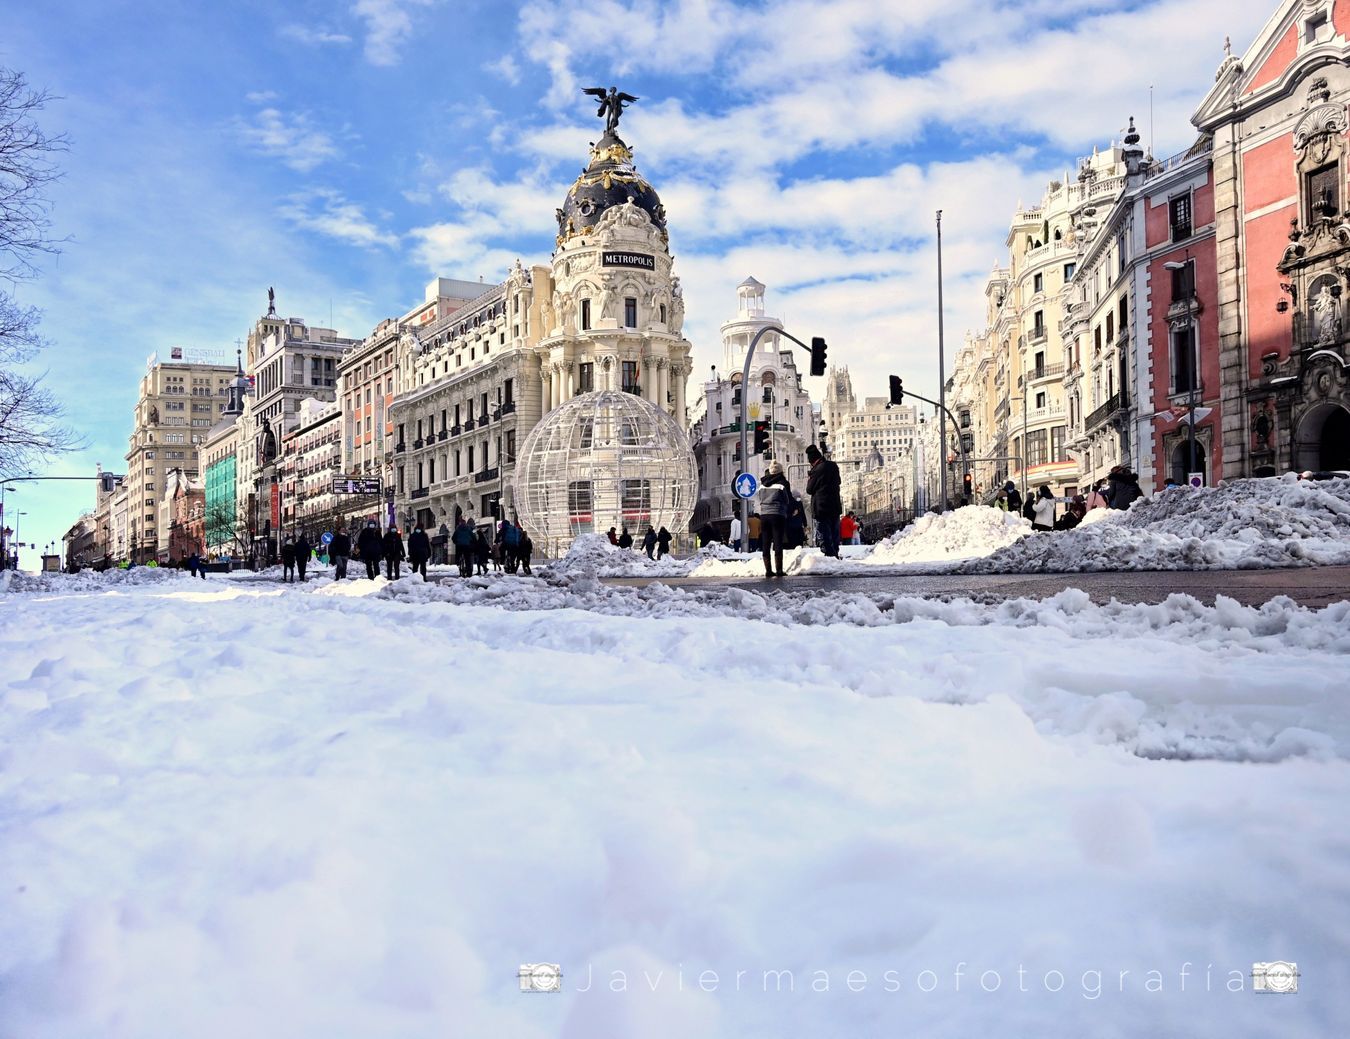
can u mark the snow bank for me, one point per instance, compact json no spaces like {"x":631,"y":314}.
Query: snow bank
{"x":593,"y":554}
{"x":1245,"y":524}
{"x":964,"y":533}
{"x":358,"y":816}
{"x":88,"y":580}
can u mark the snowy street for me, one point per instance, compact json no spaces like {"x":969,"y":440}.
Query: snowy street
{"x":355,"y":810}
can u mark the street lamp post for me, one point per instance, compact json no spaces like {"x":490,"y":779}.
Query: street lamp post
{"x":942,"y":371}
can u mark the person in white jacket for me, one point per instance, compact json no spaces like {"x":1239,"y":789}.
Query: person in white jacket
{"x":735,"y":540}
{"x":1044,"y":509}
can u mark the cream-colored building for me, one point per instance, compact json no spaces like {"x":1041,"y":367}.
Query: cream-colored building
{"x":311,"y":459}
{"x":1008,"y":384}
{"x":605,"y":314}
{"x":777,"y":396}
{"x":180,"y":400}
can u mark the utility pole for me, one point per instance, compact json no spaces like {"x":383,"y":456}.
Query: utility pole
{"x":942,"y":375}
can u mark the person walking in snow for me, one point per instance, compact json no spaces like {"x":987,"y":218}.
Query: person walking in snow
{"x":482,"y":552}
{"x":511,"y":543}
{"x":419,"y":551}
{"x":303,"y":550}
{"x":663,"y":543}
{"x":734,"y":539}
{"x":463,"y":540}
{"x":392,"y":550}
{"x":1043,"y":509}
{"x":526,"y":550}
{"x":795,"y":534}
{"x":822,"y":484}
{"x":613,"y":537}
{"x":369,"y":546}
{"x":193,"y":561}
{"x":775,"y":498}
{"x":625,"y":540}
{"x":288,"y":561}
{"x":1122,"y":488}
{"x":1012,"y":499}
{"x":339,"y":551}
{"x":1096,"y":498}
{"x":649,"y":542}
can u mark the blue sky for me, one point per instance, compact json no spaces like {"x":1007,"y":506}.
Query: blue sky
{"x":346,"y":152}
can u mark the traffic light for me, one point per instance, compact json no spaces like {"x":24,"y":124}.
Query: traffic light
{"x":761,"y":438}
{"x":968,"y":487}
{"x":817,"y":356}
{"x":897,"y":390}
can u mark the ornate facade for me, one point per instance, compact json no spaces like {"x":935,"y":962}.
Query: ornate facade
{"x":1278,"y":118}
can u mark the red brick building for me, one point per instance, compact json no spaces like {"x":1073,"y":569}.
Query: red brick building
{"x":1277,"y":117}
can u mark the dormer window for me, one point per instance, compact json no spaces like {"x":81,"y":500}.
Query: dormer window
{"x":1314,"y":28}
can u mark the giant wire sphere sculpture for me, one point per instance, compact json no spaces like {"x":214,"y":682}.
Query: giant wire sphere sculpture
{"x":604,"y":459}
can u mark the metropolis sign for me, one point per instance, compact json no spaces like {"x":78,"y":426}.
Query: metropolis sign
{"x":347,"y":485}
{"x":616,"y":259}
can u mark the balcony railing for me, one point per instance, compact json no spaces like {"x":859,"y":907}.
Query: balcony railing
{"x":1107,"y":411}
{"x":400,"y":447}
{"x":485,"y":476}
{"x":1046,"y":371}
{"x":417,"y":444}
{"x":509,"y":407}
{"x":469,"y":424}
{"x":442,"y":434}
{"x":421,"y":492}
{"x":456,"y":430}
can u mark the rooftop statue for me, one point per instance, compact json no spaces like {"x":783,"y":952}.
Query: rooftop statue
{"x":612,"y":105}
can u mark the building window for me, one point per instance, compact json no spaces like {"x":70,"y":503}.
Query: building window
{"x":630,"y":312}
{"x":431,"y":470}
{"x":1036,"y":444}
{"x":1110,"y":327}
{"x":510,"y":445}
{"x":1183,"y":360}
{"x":585,"y":377}
{"x":1038,"y":283}
{"x":508,"y":390}
{"x":585,"y":314}
{"x":1040,"y":400}
{"x":1124,"y":321}
{"x":663,"y":313}
{"x":1312,"y":28}
{"x":1179,"y":216}
{"x":1183,"y":282}
{"x":630,"y":377}
{"x":469,"y":457}
{"x":1323,"y":191}
{"x":1057,"y":439}
{"x":1038,"y":325}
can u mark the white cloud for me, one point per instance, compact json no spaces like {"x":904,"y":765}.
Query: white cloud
{"x":328,"y":212}
{"x":506,"y":67}
{"x":389,"y":24}
{"x":261,"y":97}
{"x":291,"y":138}
{"x":312,"y":36}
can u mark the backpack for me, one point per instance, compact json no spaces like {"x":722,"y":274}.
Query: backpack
{"x":1029,"y":510}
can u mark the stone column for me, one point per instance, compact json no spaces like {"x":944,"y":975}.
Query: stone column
{"x":679,"y":374}
{"x":545,"y":390}
{"x":662,"y":383}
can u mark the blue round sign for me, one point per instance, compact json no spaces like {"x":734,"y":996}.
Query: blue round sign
{"x":745,"y":485}
{"x":326,"y":538}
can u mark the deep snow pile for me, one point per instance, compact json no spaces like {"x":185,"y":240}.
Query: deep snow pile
{"x":593,"y":554}
{"x":349,"y":814}
{"x":1245,"y":524}
{"x":963,"y":533}
{"x":88,"y":580}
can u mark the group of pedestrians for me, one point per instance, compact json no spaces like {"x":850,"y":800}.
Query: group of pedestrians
{"x":1118,"y":490}
{"x":656,"y":543}
{"x":511,"y":548}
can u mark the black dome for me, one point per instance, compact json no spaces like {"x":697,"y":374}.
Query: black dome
{"x":609,"y":180}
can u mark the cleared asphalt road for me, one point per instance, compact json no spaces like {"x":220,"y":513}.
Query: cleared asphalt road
{"x":1311,"y":586}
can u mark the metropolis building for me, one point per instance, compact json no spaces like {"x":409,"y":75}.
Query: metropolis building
{"x":605,"y":314}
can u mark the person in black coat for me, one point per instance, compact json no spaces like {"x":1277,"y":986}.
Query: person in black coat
{"x":706,"y":535}
{"x":369,"y":546}
{"x":482,"y":552}
{"x":625,"y":539}
{"x":663,"y":543}
{"x":339,"y":551}
{"x":419,"y":550}
{"x":393,"y":554}
{"x":1122,"y":488}
{"x":823,"y":485}
{"x":649,"y":542}
{"x":302,"y":553}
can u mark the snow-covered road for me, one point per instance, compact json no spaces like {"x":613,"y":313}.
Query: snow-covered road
{"x":356,"y":810}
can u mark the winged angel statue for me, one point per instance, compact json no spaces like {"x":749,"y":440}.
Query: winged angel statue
{"x":612,"y":104}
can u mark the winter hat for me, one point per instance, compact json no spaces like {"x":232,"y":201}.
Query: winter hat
{"x":813,"y":452}
{"x":1010,"y":486}
{"x":775,"y":469}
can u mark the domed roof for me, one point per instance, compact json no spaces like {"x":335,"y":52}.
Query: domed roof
{"x":611,"y":179}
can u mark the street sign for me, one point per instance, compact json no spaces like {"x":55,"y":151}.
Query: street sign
{"x":1196,"y":479}
{"x":745,"y":486}
{"x":326,"y":538}
{"x":357,"y":485}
